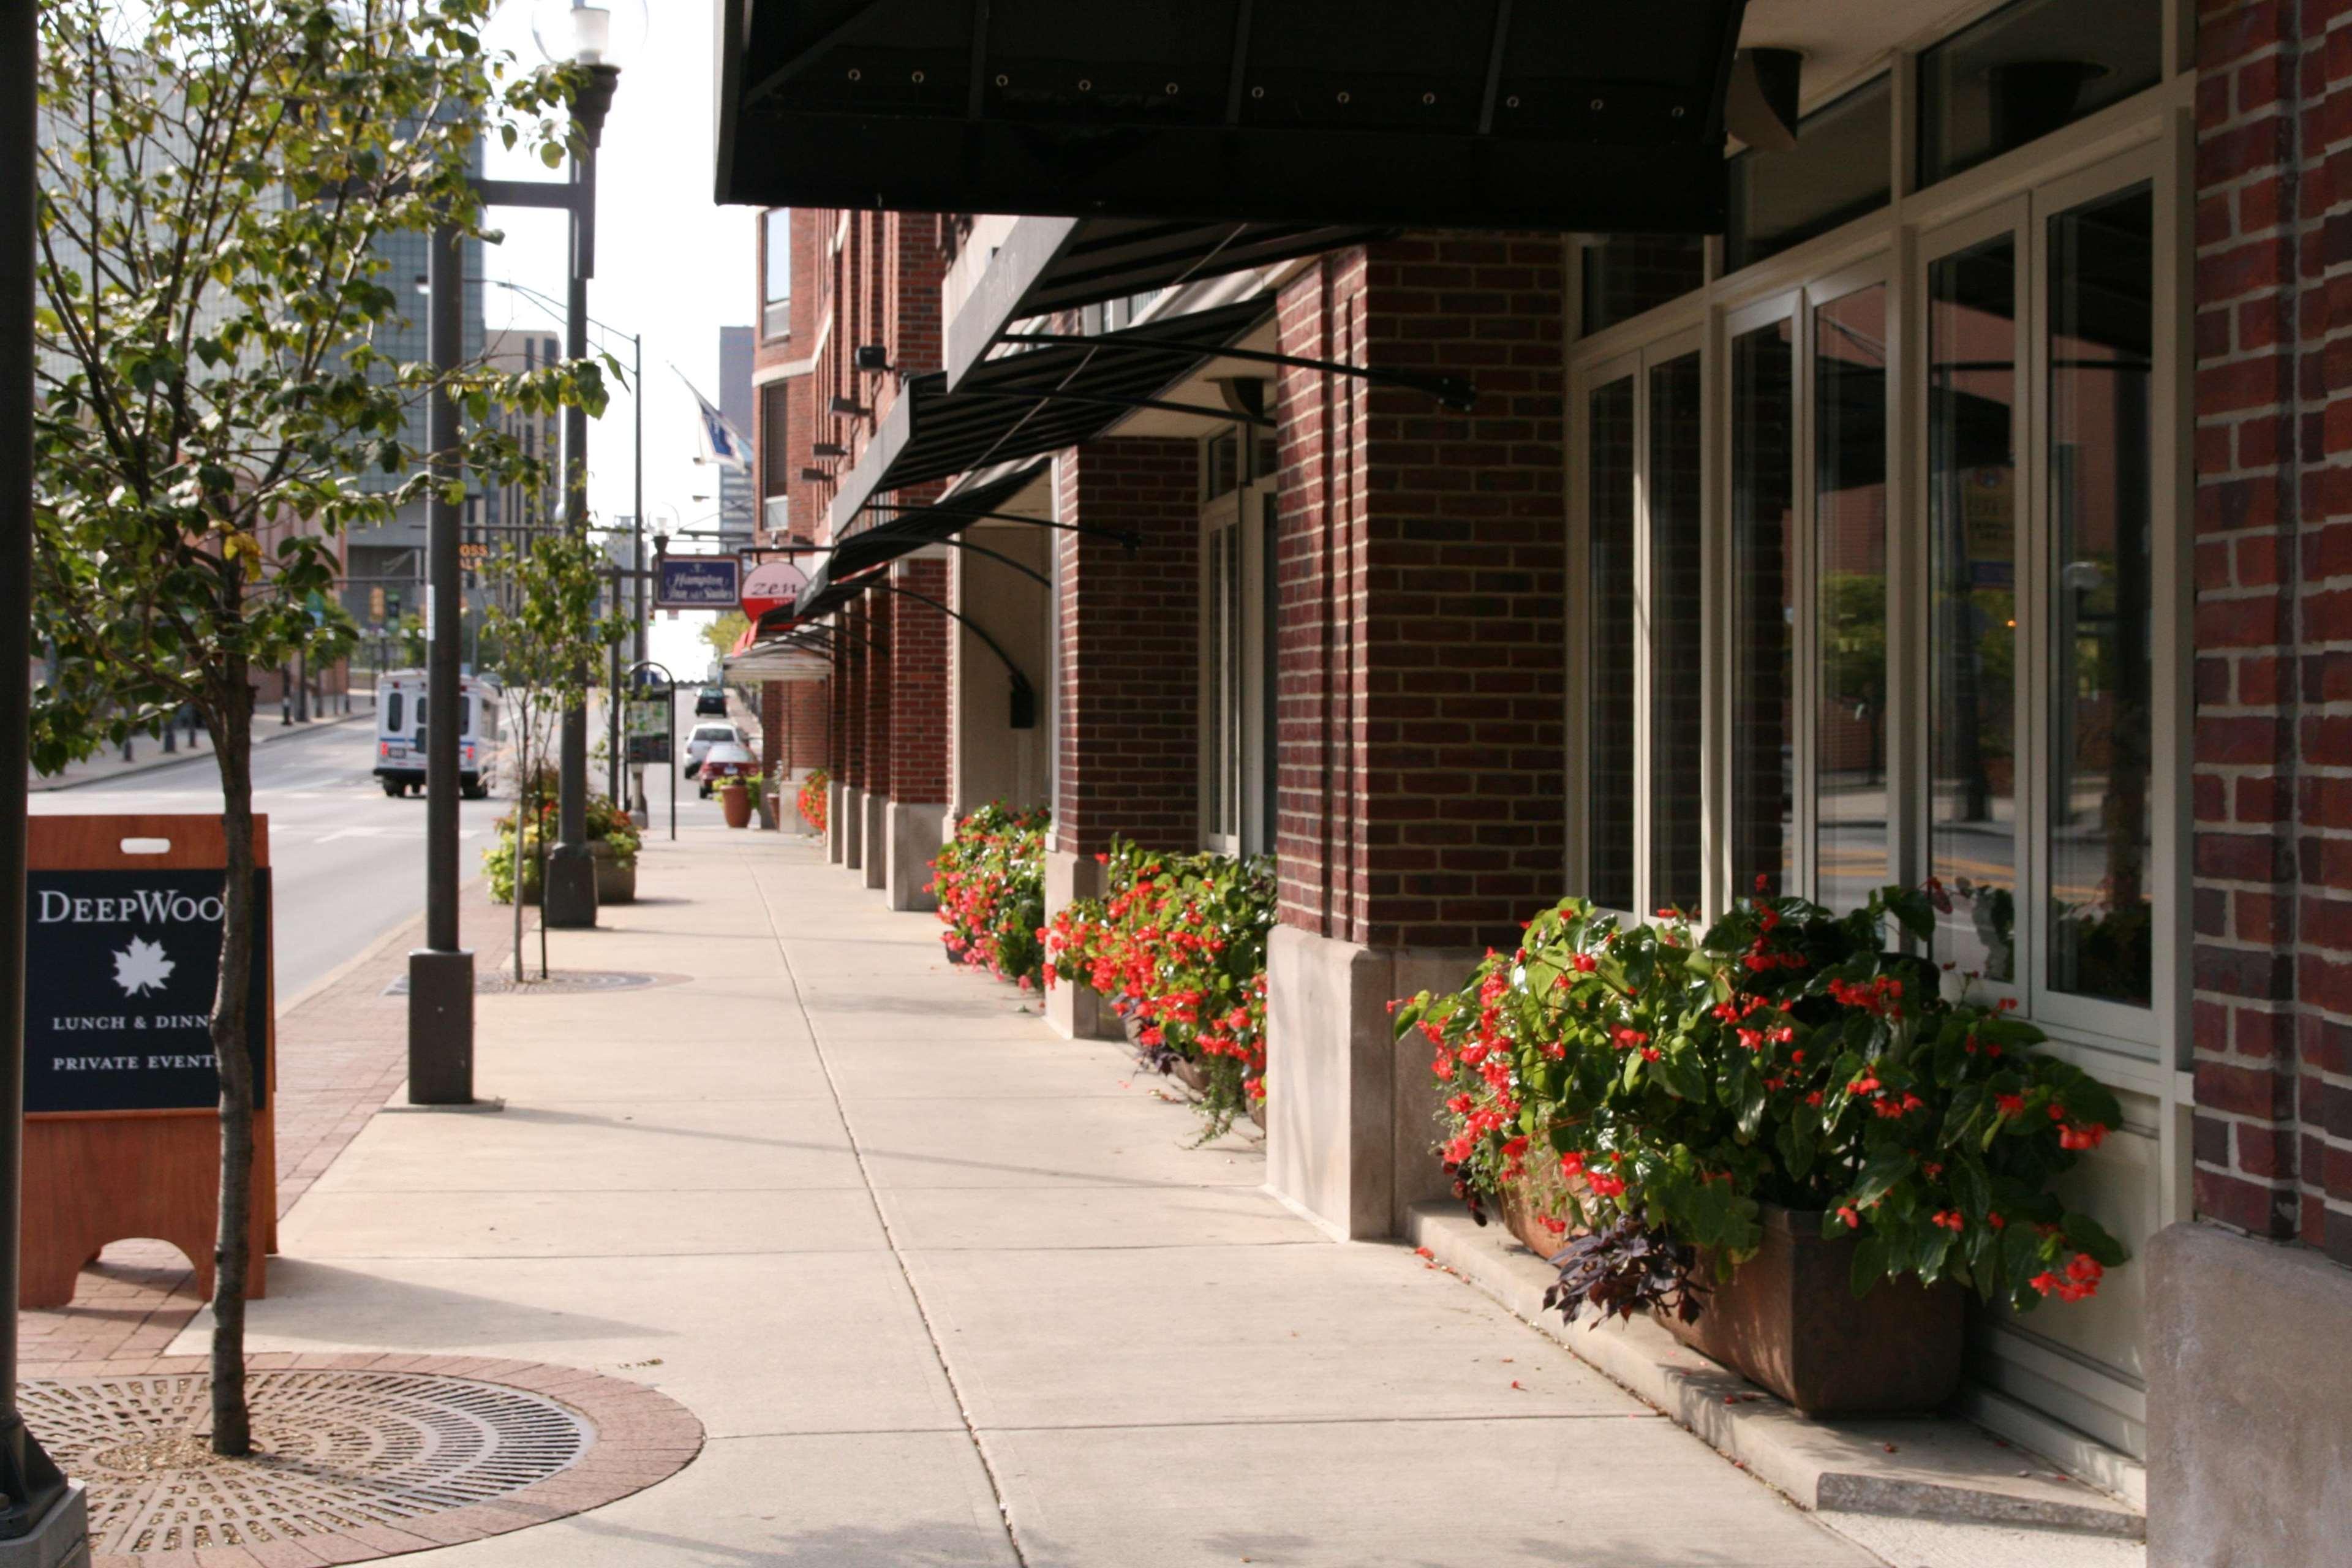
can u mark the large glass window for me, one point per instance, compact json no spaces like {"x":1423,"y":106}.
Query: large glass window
{"x":2027,"y":69}
{"x":1972,"y":521}
{"x":1838,"y":171}
{"x":1677,"y":648}
{"x":2101,"y":666}
{"x":1763,"y":608}
{"x":1609,"y":727}
{"x":1627,"y":274}
{"x":1849,"y":736}
{"x":776,"y":282}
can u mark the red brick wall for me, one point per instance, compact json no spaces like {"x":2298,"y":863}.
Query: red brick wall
{"x":1129,"y":693}
{"x":2273,"y":749}
{"x":1421,"y":570}
{"x":807,"y":708}
{"x":773,"y":742}
{"x":919,"y":685}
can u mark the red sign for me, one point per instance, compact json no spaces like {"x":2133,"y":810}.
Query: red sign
{"x":772,"y":585}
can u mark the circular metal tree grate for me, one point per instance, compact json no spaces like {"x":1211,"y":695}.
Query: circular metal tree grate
{"x":335,"y":1451}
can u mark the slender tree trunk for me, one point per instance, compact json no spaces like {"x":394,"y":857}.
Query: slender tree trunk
{"x":231,"y":721}
{"x":523,"y":814}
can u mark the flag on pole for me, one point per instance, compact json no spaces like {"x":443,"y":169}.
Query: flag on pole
{"x":721,"y":443}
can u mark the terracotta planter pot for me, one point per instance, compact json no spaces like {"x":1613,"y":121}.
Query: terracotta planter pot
{"x":1523,"y":1203}
{"x":735,"y":805}
{"x":1187,"y":1072}
{"x":1789,"y":1321}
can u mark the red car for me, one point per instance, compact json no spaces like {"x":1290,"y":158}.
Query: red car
{"x":724,"y":760}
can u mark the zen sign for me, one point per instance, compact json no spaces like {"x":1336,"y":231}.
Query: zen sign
{"x":697,"y":582}
{"x":122,"y":968}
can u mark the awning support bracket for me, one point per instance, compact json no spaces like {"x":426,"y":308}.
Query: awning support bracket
{"x":1452,"y":392}
{"x":1024,"y":696}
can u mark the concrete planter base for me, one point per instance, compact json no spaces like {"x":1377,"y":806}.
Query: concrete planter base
{"x":1787,"y":1320}
{"x":911,"y":837}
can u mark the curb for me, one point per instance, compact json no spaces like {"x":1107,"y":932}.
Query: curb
{"x":175,"y":760}
{"x":1927,"y":1466}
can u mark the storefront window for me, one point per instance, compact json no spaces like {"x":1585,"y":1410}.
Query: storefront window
{"x":1850,"y":735}
{"x":1677,"y":651}
{"x":2027,"y":69}
{"x":1972,"y":517}
{"x":1838,"y":171}
{"x":1763,"y":609}
{"x":1627,"y":274}
{"x":1609,"y":728}
{"x":2101,"y":667}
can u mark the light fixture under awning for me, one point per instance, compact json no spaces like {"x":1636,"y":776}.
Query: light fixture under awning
{"x":1603,"y":117}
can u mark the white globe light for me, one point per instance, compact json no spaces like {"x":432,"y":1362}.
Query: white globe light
{"x":588,"y":32}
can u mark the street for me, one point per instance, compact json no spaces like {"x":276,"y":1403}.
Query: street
{"x":347,"y":863}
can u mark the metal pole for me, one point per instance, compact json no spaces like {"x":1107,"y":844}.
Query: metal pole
{"x":568,"y":901}
{"x":41,"y":1520}
{"x":441,"y":974}
{"x":637,"y":549}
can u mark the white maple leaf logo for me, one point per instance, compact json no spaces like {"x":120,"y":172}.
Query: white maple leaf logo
{"x":141,"y":966}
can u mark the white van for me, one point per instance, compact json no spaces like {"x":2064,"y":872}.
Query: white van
{"x":400,"y":716}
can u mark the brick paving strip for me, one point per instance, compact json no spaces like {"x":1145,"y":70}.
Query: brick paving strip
{"x":342,"y":1054}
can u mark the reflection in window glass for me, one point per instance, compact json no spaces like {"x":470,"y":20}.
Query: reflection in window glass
{"x":391,"y":713}
{"x":1763,"y":609}
{"x":2027,"y":69}
{"x":1972,"y":498}
{"x":1627,"y":274}
{"x":1838,"y":171}
{"x":1677,"y":651}
{"x":2102,"y":325}
{"x":1609,"y":729}
{"x":1850,"y":517}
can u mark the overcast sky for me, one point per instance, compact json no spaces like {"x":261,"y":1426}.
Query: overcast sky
{"x":670,"y":265}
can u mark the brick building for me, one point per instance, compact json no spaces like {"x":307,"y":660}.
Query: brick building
{"x":1970,"y":508}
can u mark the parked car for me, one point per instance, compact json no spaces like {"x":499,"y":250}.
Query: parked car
{"x":724,"y":759}
{"x":711,"y":700}
{"x":705,"y":736}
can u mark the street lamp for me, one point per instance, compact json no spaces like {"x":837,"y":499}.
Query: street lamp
{"x":596,"y":39}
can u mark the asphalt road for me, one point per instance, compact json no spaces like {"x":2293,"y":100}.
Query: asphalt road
{"x":348,"y":864}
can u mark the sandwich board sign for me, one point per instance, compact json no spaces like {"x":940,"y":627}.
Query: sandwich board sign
{"x":121,"y":1093}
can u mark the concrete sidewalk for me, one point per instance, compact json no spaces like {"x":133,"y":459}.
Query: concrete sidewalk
{"x":944,"y":1290}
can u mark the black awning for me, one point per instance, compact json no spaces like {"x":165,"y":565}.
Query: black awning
{"x":1049,"y":264}
{"x":1605,"y":116}
{"x":844,"y":575}
{"x":1031,"y":401}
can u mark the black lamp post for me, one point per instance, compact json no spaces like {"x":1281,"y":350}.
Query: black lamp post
{"x":590,"y":38}
{"x":441,"y":974}
{"x":42,"y":1519}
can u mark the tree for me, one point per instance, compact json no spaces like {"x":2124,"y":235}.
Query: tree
{"x":213,"y":176}
{"x":546,"y":634}
{"x":724,"y":630}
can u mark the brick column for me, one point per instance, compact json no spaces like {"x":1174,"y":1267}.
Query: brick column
{"x":881,"y":616}
{"x":1126,"y":694}
{"x":1421,"y":687}
{"x":850,"y":821}
{"x":774,"y":747}
{"x":2247,"y":1379}
{"x":918,"y":732}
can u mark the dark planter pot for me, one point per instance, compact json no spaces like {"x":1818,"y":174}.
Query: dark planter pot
{"x":1789,"y":1321}
{"x":1257,"y":1114}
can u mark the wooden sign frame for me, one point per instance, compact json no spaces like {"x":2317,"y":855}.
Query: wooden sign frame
{"x":96,"y":1176}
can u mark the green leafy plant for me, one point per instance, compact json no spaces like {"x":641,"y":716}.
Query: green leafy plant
{"x":607,"y":824}
{"x":990,"y":880}
{"x":1681,"y":1080}
{"x":1177,"y":944}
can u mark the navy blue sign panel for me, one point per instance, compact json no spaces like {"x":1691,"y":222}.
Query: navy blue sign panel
{"x":697,"y":582}
{"x":121,"y":967}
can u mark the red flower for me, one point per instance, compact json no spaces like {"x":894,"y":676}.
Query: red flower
{"x":1604,"y":1184}
{"x":1852,"y":1220}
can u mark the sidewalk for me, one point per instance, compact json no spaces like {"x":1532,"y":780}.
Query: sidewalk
{"x":943,"y":1290}
{"x":148,"y":752}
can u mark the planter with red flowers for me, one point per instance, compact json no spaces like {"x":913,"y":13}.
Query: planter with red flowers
{"x":990,"y":880}
{"x":1176,"y":947}
{"x":1781,"y":1138}
{"x":813,"y":799}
